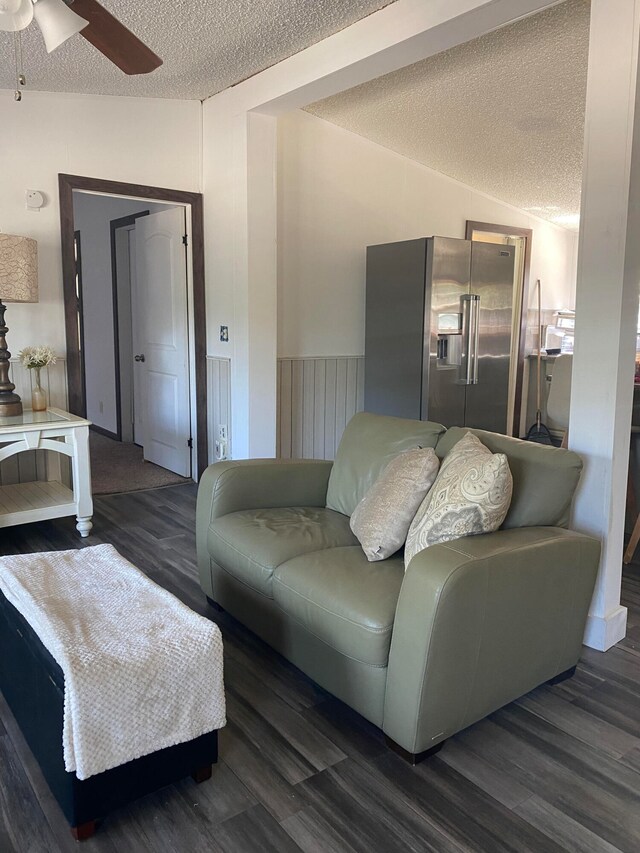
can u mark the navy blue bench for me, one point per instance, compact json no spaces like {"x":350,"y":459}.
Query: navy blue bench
{"x":33,"y":686}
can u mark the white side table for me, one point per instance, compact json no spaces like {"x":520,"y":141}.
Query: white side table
{"x":59,"y":432}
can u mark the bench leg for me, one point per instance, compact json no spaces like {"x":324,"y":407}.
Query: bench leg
{"x":202,"y":774}
{"x":84,"y":830}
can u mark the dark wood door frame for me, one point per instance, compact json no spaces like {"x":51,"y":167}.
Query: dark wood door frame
{"x":114,"y":224}
{"x":77,"y":248}
{"x":527,"y":233}
{"x":67,"y":184}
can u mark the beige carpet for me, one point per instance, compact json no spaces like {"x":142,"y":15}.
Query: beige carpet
{"x":117,"y":466}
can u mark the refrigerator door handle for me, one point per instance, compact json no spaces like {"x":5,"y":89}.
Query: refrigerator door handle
{"x":470,"y":332}
{"x":474,"y":335}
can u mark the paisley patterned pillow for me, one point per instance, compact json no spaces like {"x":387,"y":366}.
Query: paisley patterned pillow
{"x":471,"y":495}
{"x":382,"y":518}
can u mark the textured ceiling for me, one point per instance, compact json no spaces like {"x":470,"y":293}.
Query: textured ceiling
{"x":503,"y":113}
{"x":206,"y":45}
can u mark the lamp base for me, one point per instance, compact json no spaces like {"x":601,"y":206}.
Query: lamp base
{"x":10,"y":408}
{"x":10,"y":403}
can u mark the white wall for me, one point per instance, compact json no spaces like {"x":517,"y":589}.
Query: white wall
{"x":338,"y":193}
{"x":92,"y":217}
{"x":239,"y":176}
{"x":138,"y":140}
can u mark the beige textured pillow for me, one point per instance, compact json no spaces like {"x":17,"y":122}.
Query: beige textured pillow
{"x":471,"y":495}
{"x":382,"y":518}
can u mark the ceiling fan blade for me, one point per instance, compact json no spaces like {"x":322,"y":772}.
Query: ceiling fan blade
{"x":114,"y":40}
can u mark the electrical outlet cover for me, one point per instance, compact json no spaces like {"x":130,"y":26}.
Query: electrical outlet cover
{"x":224,"y":334}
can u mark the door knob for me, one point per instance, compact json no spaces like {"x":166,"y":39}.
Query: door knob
{"x":138,"y":357}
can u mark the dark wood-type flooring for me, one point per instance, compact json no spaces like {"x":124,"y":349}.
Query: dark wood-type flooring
{"x":557,"y":770}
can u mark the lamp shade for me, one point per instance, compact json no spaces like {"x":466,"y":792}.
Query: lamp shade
{"x":57,"y":22}
{"x":18,"y":269}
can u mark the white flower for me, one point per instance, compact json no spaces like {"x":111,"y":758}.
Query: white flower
{"x":39,"y":356}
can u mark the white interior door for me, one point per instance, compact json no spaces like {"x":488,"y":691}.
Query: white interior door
{"x":161,"y":285}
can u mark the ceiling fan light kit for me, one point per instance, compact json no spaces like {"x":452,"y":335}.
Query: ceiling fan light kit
{"x":15,"y":15}
{"x":57,"y":22}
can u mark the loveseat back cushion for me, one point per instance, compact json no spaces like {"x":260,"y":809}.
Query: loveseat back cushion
{"x":471,"y":495}
{"x":343,"y":599}
{"x":544,"y":478}
{"x":252,"y":543}
{"x":368,"y":444}
{"x":382,"y":519}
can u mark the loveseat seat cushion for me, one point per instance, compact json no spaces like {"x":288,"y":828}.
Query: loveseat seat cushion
{"x":342,"y":598}
{"x":368,"y":444}
{"x":250,"y":544}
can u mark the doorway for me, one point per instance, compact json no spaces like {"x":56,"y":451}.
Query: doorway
{"x":174,"y":392}
{"x":150,"y":340}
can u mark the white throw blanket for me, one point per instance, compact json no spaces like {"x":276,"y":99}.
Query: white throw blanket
{"x":141,"y":670}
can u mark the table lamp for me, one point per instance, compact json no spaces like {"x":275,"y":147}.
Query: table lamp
{"x":18,"y":283}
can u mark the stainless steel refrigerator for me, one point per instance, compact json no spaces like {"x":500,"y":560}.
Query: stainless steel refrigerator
{"x":438,"y":331}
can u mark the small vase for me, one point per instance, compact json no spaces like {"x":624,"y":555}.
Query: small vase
{"x":38,"y":396}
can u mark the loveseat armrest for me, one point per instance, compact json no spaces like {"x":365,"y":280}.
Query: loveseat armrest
{"x":480,"y":621}
{"x":259,"y":483}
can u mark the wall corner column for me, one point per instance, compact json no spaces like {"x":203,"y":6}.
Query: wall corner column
{"x":241,"y":248}
{"x":262,"y":281}
{"x":607,"y":301}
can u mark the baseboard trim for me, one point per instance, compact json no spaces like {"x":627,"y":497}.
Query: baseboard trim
{"x":603,"y":632}
{"x":107,"y":434}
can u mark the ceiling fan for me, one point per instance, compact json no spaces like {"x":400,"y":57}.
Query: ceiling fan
{"x":60,"y":19}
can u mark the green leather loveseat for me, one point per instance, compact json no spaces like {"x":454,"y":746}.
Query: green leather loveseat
{"x":470,"y":626}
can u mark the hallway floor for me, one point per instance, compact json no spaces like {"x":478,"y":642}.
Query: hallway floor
{"x":118,"y":466}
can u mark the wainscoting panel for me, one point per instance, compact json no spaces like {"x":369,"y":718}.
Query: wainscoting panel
{"x":37,"y":464}
{"x":219,"y":396}
{"x":316,"y":399}
{"x":54,"y":381}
